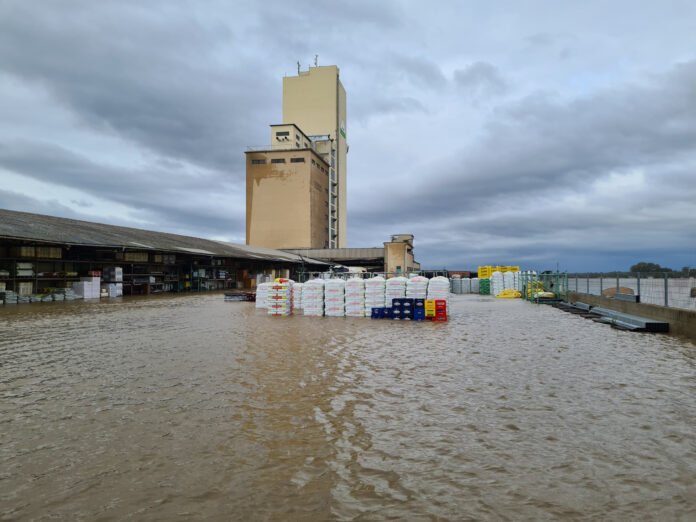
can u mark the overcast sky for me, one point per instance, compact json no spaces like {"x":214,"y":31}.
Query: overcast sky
{"x":530,"y":133}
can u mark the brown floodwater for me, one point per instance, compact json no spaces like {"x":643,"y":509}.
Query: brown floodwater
{"x":190,"y":408}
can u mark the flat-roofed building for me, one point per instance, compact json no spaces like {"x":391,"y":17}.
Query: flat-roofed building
{"x":287,"y":192}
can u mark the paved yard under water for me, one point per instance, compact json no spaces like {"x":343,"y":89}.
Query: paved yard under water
{"x":192,"y":408}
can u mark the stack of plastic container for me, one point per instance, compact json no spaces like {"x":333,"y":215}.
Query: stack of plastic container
{"x":297,"y":296}
{"x":466,"y":285}
{"x":484,"y":286}
{"x":474,"y":285}
{"x":313,"y":297}
{"x":438,"y":289}
{"x":355,"y":297}
{"x":374,"y":294}
{"x":334,"y":298}
{"x":394,"y":288}
{"x":261,"y":294}
{"x":417,"y":287}
{"x":279,"y":298}
{"x":497,"y":285}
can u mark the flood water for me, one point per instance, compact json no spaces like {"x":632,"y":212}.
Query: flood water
{"x":190,"y":408}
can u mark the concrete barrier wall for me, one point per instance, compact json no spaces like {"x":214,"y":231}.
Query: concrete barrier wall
{"x":681,"y":322}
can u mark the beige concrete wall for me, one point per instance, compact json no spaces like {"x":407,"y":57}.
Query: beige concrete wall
{"x":399,"y":255}
{"x":295,"y":139}
{"x":681,"y":322}
{"x":315,"y":101}
{"x":286,"y":203}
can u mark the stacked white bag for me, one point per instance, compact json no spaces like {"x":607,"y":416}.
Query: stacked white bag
{"x":355,"y":297}
{"x":374,"y":294}
{"x":313,"y":297}
{"x":474,"y":285}
{"x":508,"y":281}
{"x":395,"y":287}
{"x":334,"y":298}
{"x":417,"y":287}
{"x":516,"y":284}
{"x":497,"y":281}
{"x":297,"y":296}
{"x":438,"y":288}
{"x":261,"y":294}
{"x":279,"y":298}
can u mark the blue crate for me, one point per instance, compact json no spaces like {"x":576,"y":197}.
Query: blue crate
{"x":397,"y":302}
{"x":377,"y":313}
{"x":419,"y":318}
{"x":387,"y":313}
{"x":408,"y":302}
{"x":419,"y":314}
{"x":419,"y":303}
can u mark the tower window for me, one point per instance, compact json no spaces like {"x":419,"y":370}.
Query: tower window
{"x":282,"y":133}
{"x":278,"y":160}
{"x":258,"y":162}
{"x":296,"y":160}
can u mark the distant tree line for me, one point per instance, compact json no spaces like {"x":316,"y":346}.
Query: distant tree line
{"x":645,"y":269}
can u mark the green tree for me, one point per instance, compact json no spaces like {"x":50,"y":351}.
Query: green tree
{"x":649,"y":268}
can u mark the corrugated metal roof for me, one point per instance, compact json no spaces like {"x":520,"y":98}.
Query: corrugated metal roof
{"x":50,"y":229}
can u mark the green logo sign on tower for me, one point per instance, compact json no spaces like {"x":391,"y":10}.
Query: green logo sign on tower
{"x":342,"y":128}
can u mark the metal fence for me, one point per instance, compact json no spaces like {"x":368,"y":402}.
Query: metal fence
{"x":661,"y":289}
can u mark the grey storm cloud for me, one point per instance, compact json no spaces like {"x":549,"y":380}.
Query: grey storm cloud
{"x":465,"y":127}
{"x":480,"y":79}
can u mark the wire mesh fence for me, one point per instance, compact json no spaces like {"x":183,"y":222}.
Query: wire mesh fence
{"x":655,"y":288}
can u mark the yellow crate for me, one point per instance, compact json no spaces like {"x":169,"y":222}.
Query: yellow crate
{"x":484,"y":272}
{"x":430,"y":313}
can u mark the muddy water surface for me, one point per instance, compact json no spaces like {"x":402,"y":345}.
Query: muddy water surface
{"x":190,"y":408}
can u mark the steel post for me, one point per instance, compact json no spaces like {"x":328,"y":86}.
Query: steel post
{"x":666,"y":290}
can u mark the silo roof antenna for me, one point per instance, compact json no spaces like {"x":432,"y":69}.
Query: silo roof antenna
{"x":316,"y":59}
{"x":298,"y":67}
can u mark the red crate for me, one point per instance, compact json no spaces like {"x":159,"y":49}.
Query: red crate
{"x":441,"y":318}
{"x":430,"y":318}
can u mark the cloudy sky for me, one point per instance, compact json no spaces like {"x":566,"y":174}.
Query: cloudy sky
{"x":530,"y":133}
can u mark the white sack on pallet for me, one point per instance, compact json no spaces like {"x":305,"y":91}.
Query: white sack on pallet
{"x":334,"y":298}
{"x":297,"y":296}
{"x":355,"y":297}
{"x":279,"y":298}
{"x":509,"y":280}
{"x":497,"y":283}
{"x":313,"y":297}
{"x":417,"y":287}
{"x":395,"y":287}
{"x":261,"y":294}
{"x":374,"y":293}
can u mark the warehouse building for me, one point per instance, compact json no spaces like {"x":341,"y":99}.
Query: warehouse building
{"x":41,"y":253}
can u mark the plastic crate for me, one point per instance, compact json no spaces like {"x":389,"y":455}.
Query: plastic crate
{"x":484,"y":272}
{"x":377,"y":313}
{"x":429,"y":304}
{"x":419,"y":303}
{"x":407,"y":302}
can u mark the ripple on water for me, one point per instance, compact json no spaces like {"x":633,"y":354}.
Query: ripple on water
{"x":192,"y":408}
